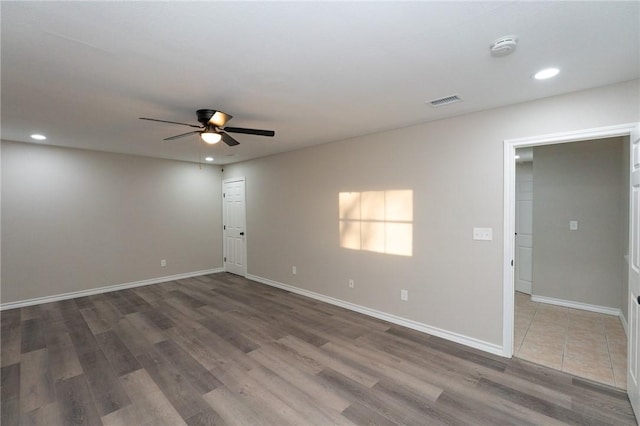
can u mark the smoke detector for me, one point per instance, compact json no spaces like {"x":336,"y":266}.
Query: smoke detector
{"x":504,"y":46}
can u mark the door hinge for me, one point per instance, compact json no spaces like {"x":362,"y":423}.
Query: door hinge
{"x":511,"y":262}
{"x":224,"y":195}
{"x":225,"y":259}
{"x":224,"y":227}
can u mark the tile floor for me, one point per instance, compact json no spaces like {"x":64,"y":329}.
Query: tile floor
{"x":582,"y":343}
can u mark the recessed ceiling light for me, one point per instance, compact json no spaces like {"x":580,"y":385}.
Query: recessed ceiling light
{"x":209,"y":159}
{"x":38,"y":137}
{"x":546,"y":73}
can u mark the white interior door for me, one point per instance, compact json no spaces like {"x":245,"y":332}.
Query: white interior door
{"x":234,"y":219}
{"x":633,"y":358}
{"x":524,"y":228}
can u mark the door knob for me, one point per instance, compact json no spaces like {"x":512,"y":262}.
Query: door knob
{"x":242,"y":233}
{"x":638,"y":300}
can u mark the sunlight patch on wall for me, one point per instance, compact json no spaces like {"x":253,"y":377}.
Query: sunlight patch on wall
{"x":378,"y":221}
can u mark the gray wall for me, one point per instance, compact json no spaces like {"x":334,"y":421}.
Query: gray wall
{"x":75,"y":220}
{"x":578,"y":181}
{"x":454,"y":168}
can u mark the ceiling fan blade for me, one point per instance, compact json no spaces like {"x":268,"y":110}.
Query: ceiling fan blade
{"x":219,"y":118}
{"x":170,"y":122}
{"x":182,"y":135}
{"x":250,"y":131}
{"x":228,"y":139}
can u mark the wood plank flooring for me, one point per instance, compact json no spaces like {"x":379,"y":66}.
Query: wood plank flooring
{"x":220,"y":349}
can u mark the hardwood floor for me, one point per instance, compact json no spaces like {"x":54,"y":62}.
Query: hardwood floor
{"x":220,"y":349}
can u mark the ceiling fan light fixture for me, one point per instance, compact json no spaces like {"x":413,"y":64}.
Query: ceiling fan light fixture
{"x":211,"y":137}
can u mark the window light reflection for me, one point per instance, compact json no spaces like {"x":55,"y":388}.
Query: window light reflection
{"x":377,"y":221}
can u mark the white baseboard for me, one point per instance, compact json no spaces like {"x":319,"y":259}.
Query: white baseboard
{"x":106,"y":289}
{"x":623,"y":320}
{"x":577,"y":305}
{"x":414,"y":325}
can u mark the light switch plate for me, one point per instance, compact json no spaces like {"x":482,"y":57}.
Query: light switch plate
{"x":483,"y":234}
{"x":573,"y":225}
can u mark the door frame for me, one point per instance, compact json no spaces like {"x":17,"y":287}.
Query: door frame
{"x":224,"y":221}
{"x":509,"y":199}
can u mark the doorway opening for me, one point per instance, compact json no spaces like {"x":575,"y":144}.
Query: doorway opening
{"x":517,"y":274}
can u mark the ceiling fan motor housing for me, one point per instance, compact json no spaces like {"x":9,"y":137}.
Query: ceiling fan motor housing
{"x":204,"y":115}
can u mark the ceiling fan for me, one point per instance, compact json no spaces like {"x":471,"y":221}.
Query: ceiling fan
{"x":212,"y":128}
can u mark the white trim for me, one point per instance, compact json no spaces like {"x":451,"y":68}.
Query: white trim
{"x":577,"y":305}
{"x":509,"y":152}
{"x":508,"y":291}
{"x":574,"y":136}
{"x":623,"y":320}
{"x":414,"y":325}
{"x":106,"y":289}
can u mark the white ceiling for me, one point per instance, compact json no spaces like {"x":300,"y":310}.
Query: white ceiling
{"x":83,"y":72}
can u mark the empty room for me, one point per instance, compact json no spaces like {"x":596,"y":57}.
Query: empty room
{"x":318,"y":213}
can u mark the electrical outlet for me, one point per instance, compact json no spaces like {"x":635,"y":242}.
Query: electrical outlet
{"x":352,"y":284}
{"x":404,"y":295}
{"x":294,"y":270}
{"x":163,"y":262}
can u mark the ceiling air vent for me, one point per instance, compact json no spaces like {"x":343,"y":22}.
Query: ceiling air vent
{"x":445,"y":101}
